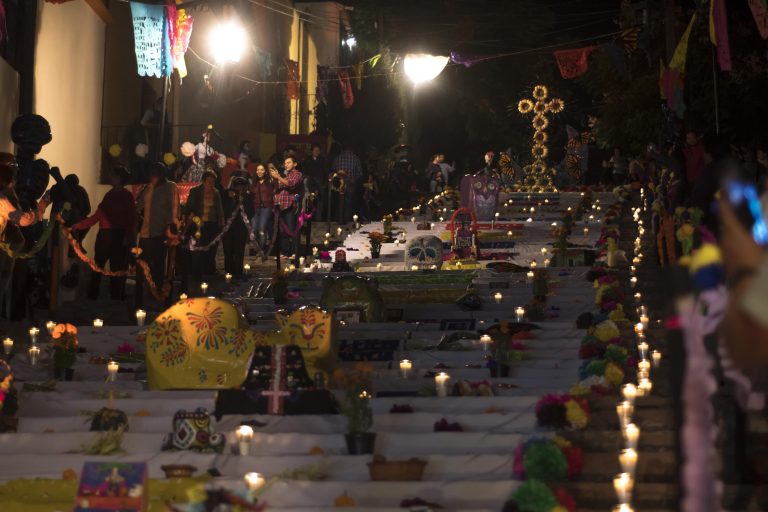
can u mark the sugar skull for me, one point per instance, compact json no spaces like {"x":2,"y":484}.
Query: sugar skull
{"x":424,"y":251}
{"x":481,"y":194}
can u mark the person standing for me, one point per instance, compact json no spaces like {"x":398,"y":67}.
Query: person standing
{"x":694,"y":158}
{"x":158,"y":205}
{"x":349,"y":162}
{"x":204,"y":203}
{"x":286,"y":204}
{"x":619,"y":167}
{"x":237,"y":235}
{"x":116,"y":216}
{"x":263,"y":200}
{"x":446,"y":168}
{"x":315,"y":171}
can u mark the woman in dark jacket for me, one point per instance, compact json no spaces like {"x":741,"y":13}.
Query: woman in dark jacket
{"x":235,"y":239}
{"x":263,"y":195}
{"x":204,"y":206}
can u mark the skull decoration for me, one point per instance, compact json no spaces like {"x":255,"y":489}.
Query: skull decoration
{"x":192,"y":431}
{"x":480,"y":193}
{"x":424,"y":251}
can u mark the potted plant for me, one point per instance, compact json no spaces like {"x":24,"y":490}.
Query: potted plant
{"x":64,"y":350}
{"x":357,"y":408}
{"x":376,"y":239}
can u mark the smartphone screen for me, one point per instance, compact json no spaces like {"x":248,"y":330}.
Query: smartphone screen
{"x":746,"y":201}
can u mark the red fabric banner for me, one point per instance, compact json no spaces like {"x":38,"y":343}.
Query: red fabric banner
{"x":760,"y":13}
{"x":574,"y":62}
{"x":347,"y":96}
{"x":293,"y":79}
{"x":720,"y":22}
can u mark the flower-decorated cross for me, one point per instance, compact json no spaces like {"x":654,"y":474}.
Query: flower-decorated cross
{"x":538,"y":176}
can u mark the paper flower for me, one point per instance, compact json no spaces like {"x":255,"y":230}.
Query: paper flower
{"x":540,"y":92}
{"x":534,"y":496}
{"x":544,"y":460}
{"x":525,"y":106}
{"x":575,"y":415}
{"x":606,"y":330}
{"x":614,"y":374}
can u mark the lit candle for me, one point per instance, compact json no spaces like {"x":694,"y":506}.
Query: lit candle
{"x":397,"y":243}
{"x":379,"y":266}
{"x":33,"y":332}
{"x":204,"y":287}
{"x":529,"y":219}
{"x":509,"y":233}
{"x":442,"y":219}
{"x":636,"y":260}
{"x":485,"y":341}
{"x":532,"y":210}
{"x":646,"y":385}
{"x":414,"y":267}
{"x":327,"y":235}
{"x":254,"y":481}
{"x":98,"y":323}
{"x":633,"y":281}
{"x":50,"y":325}
{"x":631,"y":435}
{"x":547,"y":262}
{"x":338,"y":231}
{"x":656,"y":358}
{"x":623,"y":484}
{"x":642,"y":349}
{"x":624,"y":411}
{"x":405,"y":368}
{"x":183,"y":296}
{"x":497,"y":297}
{"x":458,"y":265}
{"x":141,"y":315}
{"x":7,"y":346}
{"x":291,"y":267}
{"x":629,"y":391}
{"x":529,"y":274}
{"x":244,"y":434}
{"x":586,"y":231}
{"x":628,"y":461}
{"x":543,"y":251}
{"x":638,"y":296}
{"x":644,"y":366}
{"x":639,"y":328}
{"x":34,"y":353}
{"x":622,"y":508}
{"x":228,"y":278}
{"x":354,"y":218}
{"x":642,"y":375}
{"x":413,"y":220}
{"x":247,"y":267}
{"x":441,"y":384}
{"x":431,"y":225}
{"x":302,"y":260}
{"x":112,"y":368}
{"x":519,"y":313}
{"x":533,"y":264}
{"x":645,"y":320}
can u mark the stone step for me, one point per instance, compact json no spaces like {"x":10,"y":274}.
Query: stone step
{"x":612,"y":441}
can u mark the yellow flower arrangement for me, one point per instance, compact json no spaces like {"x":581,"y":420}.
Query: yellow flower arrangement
{"x":540,"y":122}
{"x":575,"y":415}
{"x":525,"y":106}
{"x":561,"y":442}
{"x":617,"y":315}
{"x":169,"y":159}
{"x":539,"y":151}
{"x":540,"y":107}
{"x":559,"y":508}
{"x":540,"y":137}
{"x":606,"y":330}
{"x":540,"y":92}
{"x":579,"y":389}
{"x":556,"y":106}
{"x":614,"y":374}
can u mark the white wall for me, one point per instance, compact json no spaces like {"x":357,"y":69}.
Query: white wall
{"x":69,"y":71}
{"x":9,"y":104}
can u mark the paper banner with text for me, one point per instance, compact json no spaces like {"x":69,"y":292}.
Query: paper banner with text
{"x":152,"y":41}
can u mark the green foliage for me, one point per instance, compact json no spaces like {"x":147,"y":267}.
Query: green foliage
{"x":534,"y":496}
{"x":545,"y":461}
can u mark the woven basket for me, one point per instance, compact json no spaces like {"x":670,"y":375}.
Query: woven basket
{"x":385,"y":470}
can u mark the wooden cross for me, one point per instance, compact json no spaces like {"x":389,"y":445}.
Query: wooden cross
{"x":277,"y":393}
{"x":538,"y":176}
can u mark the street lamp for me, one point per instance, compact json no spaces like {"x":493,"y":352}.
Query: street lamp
{"x":227,"y":42}
{"x":422,"y":67}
